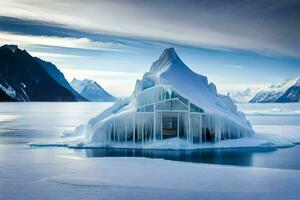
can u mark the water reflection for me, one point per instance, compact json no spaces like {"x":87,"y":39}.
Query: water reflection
{"x":242,"y":157}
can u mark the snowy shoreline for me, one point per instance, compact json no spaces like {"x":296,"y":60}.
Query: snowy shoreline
{"x":259,"y":141}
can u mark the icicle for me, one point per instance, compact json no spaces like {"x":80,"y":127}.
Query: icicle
{"x":144,"y":127}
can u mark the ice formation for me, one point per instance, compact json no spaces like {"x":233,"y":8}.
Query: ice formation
{"x":170,"y":101}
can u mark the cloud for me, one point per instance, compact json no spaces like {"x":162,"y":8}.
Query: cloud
{"x":267,"y":27}
{"x":58,"y":57}
{"x":54,"y":41}
{"x":54,"y":55}
{"x":104,"y":73}
{"x":225,"y":88}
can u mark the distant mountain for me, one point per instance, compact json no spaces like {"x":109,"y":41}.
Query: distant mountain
{"x":91,"y":90}
{"x":25,"y":78}
{"x":287,"y":92}
{"x":242,"y":96}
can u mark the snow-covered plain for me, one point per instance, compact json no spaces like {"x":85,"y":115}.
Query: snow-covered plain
{"x":63,"y":173}
{"x":59,"y":174}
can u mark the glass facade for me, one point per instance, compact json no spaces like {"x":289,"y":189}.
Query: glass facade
{"x":166,"y":115}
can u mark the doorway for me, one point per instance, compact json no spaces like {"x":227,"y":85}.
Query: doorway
{"x":169,"y":125}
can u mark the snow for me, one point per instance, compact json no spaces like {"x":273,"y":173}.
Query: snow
{"x":8,"y":90}
{"x":190,"y":176}
{"x":268,"y":138}
{"x":289,"y":133}
{"x":287,"y":84}
{"x":25,"y":94}
{"x":283,"y":86}
{"x":23,"y":85}
{"x":273,"y":92}
{"x":41,"y":173}
{"x":273,"y":111}
{"x":91,"y":90}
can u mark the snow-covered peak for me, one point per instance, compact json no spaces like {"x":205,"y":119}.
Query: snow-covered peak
{"x":168,"y":56}
{"x":91,"y":90}
{"x":168,"y":59}
{"x":170,"y":53}
{"x":80,"y":85}
{"x":284,"y":86}
{"x":170,"y":68}
{"x":291,"y":82}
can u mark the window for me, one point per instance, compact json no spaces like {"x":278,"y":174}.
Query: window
{"x":171,"y":105}
{"x":183,"y":100}
{"x":149,"y":108}
{"x":195,"y":108}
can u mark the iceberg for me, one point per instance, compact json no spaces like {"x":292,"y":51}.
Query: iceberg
{"x":169,"y":102}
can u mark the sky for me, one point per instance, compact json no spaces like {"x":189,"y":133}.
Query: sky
{"x":237,"y":44}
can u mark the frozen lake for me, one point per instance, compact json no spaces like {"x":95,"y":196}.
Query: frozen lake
{"x":61,"y":173}
{"x":26,"y":122}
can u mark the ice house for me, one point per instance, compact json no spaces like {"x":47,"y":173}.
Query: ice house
{"x":170,"y":101}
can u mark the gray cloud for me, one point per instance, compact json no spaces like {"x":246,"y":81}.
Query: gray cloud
{"x":268,"y":27}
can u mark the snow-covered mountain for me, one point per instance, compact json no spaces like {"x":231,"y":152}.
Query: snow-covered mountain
{"x":242,"y":96}
{"x":91,"y":90}
{"x":288,"y":91}
{"x":25,"y":78}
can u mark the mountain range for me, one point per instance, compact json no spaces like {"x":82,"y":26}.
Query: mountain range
{"x":24,"y":78}
{"x":27,"y":78}
{"x":286,"y":92}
